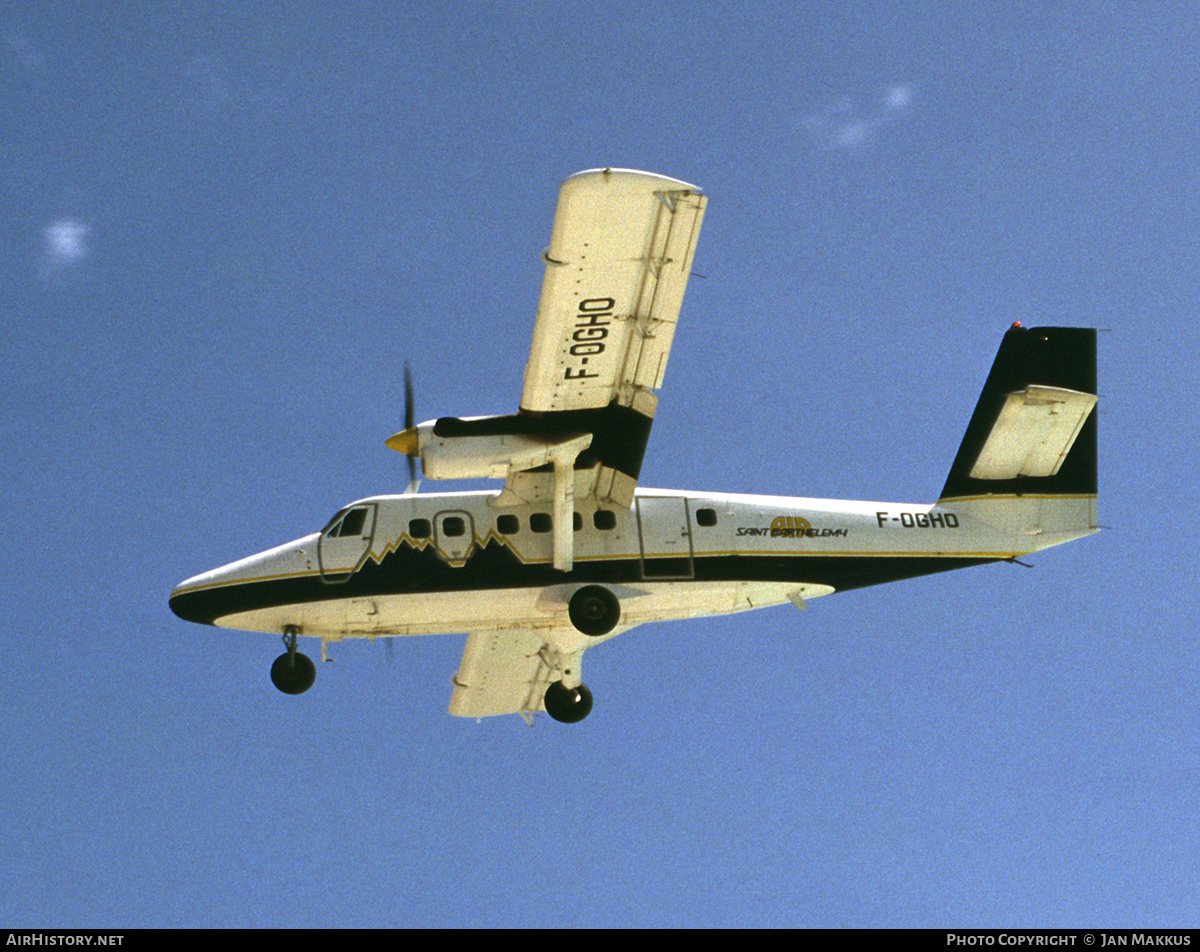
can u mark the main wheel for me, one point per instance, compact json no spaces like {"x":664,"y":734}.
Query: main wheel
{"x":594,"y":610}
{"x":568,"y":705}
{"x":293,"y":672}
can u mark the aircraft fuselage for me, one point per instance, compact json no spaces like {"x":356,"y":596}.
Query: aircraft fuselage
{"x":454,"y":562}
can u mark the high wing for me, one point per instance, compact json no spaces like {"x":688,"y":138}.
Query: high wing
{"x":507,"y":672}
{"x":616,"y":270}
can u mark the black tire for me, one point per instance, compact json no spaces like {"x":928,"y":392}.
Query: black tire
{"x":293,"y":678}
{"x":568,"y":705}
{"x":594,"y":610}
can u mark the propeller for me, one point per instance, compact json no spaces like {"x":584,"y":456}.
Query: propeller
{"x":406,"y":440}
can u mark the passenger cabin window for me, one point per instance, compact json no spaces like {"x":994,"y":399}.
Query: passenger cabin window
{"x":604,"y":519}
{"x":453,"y":527}
{"x":577,"y":522}
{"x":706,"y":517}
{"x":508,"y":525}
{"x":420,"y":528}
{"x":540,"y":522}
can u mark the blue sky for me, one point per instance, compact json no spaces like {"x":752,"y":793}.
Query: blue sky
{"x":224,"y":230}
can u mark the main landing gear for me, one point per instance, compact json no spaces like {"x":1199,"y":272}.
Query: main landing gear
{"x":293,"y":672}
{"x":595,"y":611}
{"x":568,"y":705}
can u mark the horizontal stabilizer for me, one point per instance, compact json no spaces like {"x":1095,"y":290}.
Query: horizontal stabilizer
{"x":1034,"y":433}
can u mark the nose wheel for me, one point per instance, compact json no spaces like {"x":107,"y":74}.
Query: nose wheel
{"x":293,"y":672}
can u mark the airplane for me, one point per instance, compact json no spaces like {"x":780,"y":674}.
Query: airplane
{"x":571,"y":552}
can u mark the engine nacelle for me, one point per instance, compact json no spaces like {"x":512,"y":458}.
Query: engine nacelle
{"x":496,"y":447}
{"x":488,"y":455}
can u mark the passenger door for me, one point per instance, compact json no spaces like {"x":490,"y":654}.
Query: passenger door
{"x":454,"y":534}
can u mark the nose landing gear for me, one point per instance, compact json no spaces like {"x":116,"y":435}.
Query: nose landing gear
{"x":293,"y":672}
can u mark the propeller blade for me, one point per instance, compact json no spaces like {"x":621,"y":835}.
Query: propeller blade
{"x":409,"y":422}
{"x":409,"y":419}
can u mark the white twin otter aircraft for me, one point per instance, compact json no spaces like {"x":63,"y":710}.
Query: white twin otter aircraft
{"x":572,"y":552}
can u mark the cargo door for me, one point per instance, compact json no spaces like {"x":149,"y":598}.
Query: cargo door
{"x":665,"y":536}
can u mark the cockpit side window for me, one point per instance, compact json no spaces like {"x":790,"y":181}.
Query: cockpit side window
{"x":347,"y":524}
{"x":335,"y":525}
{"x":353,"y":524}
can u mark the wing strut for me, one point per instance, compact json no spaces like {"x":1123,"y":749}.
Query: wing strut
{"x":563,"y":456}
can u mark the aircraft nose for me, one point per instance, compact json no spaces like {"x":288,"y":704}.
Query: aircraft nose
{"x":231,"y":588}
{"x":206,"y":597}
{"x":190,"y":603}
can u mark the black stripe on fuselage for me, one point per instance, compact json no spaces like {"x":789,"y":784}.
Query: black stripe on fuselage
{"x":412,"y":571}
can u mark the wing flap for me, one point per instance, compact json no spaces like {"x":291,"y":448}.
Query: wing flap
{"x":664,"y":281}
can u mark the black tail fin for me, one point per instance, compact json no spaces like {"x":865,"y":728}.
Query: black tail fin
{"x":1034,"y":430}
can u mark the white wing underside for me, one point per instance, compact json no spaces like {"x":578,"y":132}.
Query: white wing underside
{"x":616,"y":270}
{"x":507,"y":672}
{"x":622,"y":245}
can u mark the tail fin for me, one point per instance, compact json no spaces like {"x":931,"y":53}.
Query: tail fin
{"x":1032,"y":438}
